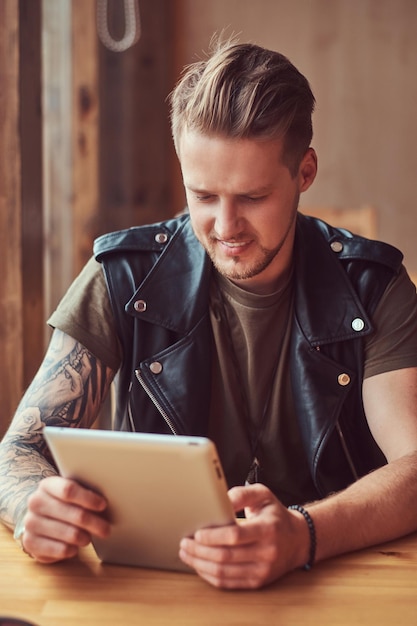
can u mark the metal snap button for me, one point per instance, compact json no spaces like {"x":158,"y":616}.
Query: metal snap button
{"x":140,"y":306}
{"x":161,"y":238}
{"x":156,"y":367}
{"x":336,"y":246}
{"x":343,"y":379}
{"x":358,"y":324}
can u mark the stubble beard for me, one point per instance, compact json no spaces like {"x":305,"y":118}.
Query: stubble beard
{"x":231,"y":268}
{"x":259,"y":265}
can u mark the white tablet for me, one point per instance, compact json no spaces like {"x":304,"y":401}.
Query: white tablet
{"x":160,"y":488}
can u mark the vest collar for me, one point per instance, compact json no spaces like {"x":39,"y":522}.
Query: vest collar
{"x":171,"y":295}
{"x":327,"y":307}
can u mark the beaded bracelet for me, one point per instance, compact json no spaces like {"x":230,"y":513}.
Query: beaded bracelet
{"x":311,"y":530}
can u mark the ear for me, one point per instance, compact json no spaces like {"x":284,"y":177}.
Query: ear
{"x":308,"y":169}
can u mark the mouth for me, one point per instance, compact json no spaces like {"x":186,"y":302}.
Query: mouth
{"x":233,"y":248}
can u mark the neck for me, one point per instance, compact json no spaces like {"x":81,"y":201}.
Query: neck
{"x":267,"y":286}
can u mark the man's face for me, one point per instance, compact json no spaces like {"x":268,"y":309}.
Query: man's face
{"x":243,"y":201}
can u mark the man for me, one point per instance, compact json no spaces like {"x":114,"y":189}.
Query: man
{"x":291,"y":344}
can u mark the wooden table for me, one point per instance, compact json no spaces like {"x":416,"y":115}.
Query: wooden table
{"x":372,"y":587}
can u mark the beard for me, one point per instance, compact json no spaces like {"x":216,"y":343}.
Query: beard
{"x":234,"y":269}
{"x":237,"y":269}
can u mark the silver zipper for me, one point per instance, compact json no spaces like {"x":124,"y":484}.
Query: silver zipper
{"x":156,"y":403}
{"x":346,"y":451}
{"x":129,"y":410}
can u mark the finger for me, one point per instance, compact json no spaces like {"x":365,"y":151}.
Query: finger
{"x":230,"y":535}
{"x":47,"y":550}
{"x":252,"y":548}
{"x":42,"y":508}
{"x":226,"y":575}
{"x":70,"y":491}
{"x":231,"y":583}
{"x":66,"y":501}
{"x":244,"y":532}
{"x":49,"y":539}
{"x":64,"y":528}
{"x":222,"y":553}
{"x":236,"y":579}
{"x":251,"y":497}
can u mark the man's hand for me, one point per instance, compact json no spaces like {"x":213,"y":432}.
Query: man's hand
{"x":259,"y":549}
{"x":62,"y":517}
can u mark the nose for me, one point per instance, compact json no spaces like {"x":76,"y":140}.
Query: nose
{"x":227,"y":219}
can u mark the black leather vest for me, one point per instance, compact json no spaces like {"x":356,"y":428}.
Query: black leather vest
{"x":158,"y":278}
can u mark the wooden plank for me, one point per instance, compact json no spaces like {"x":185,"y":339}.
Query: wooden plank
{"x":135,"y":151}
{"x":34,"y":327}
{"x":85,"y":130}
{"x":57,"y":148}
{"x":11,"y":341}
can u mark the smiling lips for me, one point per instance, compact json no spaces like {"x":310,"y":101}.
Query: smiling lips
{"x":232,"y":248}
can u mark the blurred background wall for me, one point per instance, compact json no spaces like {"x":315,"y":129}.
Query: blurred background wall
{"x":86,"y":145}
{"x":360,"y":57}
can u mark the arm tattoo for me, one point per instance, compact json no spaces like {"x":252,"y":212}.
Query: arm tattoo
{"x":68,"y":390}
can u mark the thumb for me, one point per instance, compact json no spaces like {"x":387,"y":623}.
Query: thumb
{"x":252,"y":498}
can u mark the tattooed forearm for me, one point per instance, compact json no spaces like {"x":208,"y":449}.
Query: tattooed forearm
{"x":68,"y":390}
{"x":59,"y":386}
{"x":23,"y":463}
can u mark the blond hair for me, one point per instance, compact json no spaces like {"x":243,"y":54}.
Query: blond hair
{"x":245,"y":91}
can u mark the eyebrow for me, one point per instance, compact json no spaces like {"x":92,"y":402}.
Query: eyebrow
{"x":251,"y":192}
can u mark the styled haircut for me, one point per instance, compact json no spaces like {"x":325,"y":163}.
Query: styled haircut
{"x":244,"y":91}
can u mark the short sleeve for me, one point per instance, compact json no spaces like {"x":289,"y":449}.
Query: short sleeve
{"x":393,"y":345}
{"x":85,"y":314}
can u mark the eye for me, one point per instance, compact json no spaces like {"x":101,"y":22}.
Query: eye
{"x":254,"y":199}
{"x":203,"y":198}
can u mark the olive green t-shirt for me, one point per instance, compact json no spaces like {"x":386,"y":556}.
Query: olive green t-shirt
{"x":252,"y":411}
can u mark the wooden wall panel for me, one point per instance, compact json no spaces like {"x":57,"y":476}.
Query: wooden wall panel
{"x":30,"y":125}
{"x":85,"y":130}
{"x":57,"y":149}
{"x":22,"y":321}
{"x":86,"y":148}
{"x":11,"y":304}
{"x":136,"y":149}
{"x":107,"y":144}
